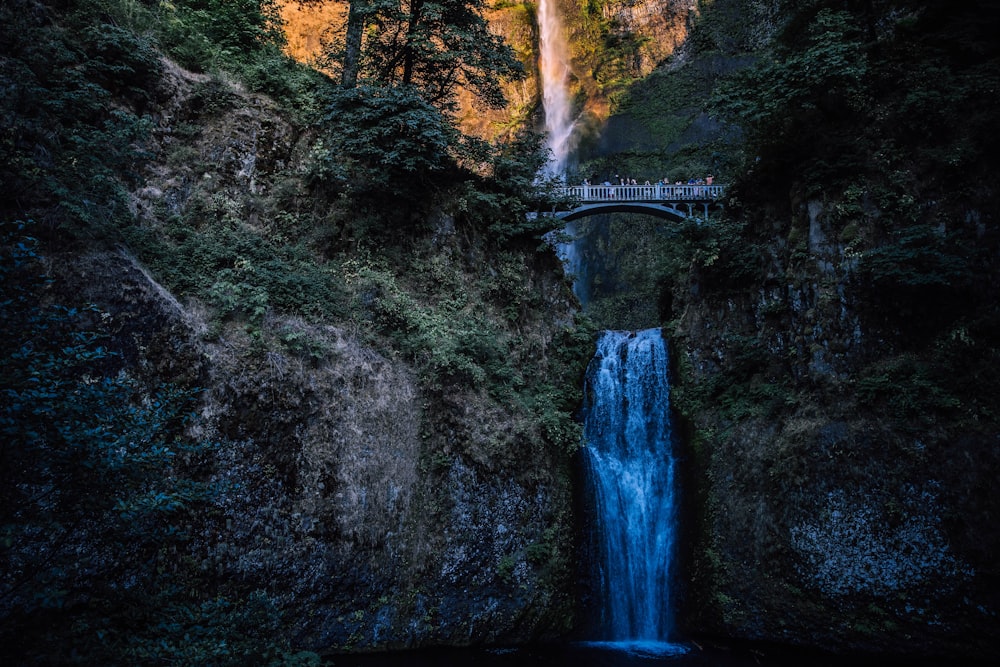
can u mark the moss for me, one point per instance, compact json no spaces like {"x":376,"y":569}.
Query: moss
{"x":849,"y":233}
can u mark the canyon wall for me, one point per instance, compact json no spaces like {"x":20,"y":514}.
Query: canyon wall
{"x":377,"y":505}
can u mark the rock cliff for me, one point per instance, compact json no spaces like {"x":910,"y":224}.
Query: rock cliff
{"x":379,"y":498}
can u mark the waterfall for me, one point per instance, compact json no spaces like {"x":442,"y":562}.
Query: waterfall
{"x":629,"y":453}
{"x":630,"y":467}
{"x":569,"y":248}
{"x":555,"y":72}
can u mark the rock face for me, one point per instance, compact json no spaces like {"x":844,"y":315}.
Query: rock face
{"x":834,"y":495}
{"x":379,"y":508}
{"x":376,"y":509}
{"x":659,"y":26}
{"x":613,"y":44}
{"x":338,"y":505}
{"x":820,"y":518}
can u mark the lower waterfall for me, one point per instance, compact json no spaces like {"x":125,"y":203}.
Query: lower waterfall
{"x":630,"y":464}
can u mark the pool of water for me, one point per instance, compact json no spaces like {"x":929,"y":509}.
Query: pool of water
{"x":612,"y":654}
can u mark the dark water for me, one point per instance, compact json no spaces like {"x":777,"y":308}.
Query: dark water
{"x":687,"y":654}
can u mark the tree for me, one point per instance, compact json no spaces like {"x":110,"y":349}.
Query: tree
{"x":437,"y":46}
{"x":449,"y":44}
{"x":384,"y":139}
{"x":817,"y":80}
{"x":356,"y":19}
{"x":237,"y":24}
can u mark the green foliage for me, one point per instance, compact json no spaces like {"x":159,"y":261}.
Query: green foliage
{"x":867,"y":93}
{"x":609,"y":51}
{"x":299,"y":89}
{"x":918,"y":273}
{"x":953,"y":382}
{"x":505,"y":568}
{"x":301,"y":343}
{"x":388,"y":140}
{"x":665,"y":102}
{"x":437,"y":47}
{"x":460,"y":334}
{"x":619,"y":50}
{"x":732,"y":27}
{"x":99,"y":484}
{"x":503,"y":202}
{"x":917,"y":258}
{"x":828,"y":69}
{"x":206,"y":34}
{"x":906,"y":389}
{"x":74,"y":111}
{"x":746,"y":386}
{"x":240,"y":270}
{"x":723,"y":252}
{"x":661,"y":129}
{"x":639,"y":268}
{"x":789,"y":103}
{"x":243,"y":38}
{"x":875,"y":110}
{"x":67,"y":151}
{"x":232,"y":296}
{"x":448,"y":342}
{"x":556,"y":398}
{"x":119,"y":60}
{"x":966,"y":366}
{"x":219,"y":631}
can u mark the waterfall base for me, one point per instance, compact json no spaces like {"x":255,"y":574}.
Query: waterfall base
{"x":639,"y":648}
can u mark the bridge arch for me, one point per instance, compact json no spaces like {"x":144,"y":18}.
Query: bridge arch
{"x":659,"y":210}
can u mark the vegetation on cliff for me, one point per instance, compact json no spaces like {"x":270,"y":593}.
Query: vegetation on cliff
{"x":358,"y":334}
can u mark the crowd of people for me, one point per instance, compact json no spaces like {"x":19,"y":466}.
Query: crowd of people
{"x":622,"y":180}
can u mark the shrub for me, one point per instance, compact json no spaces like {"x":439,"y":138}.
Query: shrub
{"x":385,"y":140}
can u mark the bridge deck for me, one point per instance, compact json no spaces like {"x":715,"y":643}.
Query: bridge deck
{"x":641,"y":193}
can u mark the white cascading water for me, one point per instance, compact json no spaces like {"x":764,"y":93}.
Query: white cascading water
{"x":630,"y":469}
{"x":555,"y":72}
{"x":627,"y":427}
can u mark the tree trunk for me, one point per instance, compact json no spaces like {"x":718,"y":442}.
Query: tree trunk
{"x":409,"y":55}
{"x":352,"y":46}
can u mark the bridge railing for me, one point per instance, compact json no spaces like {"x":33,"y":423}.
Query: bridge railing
{"x":658,"y":192}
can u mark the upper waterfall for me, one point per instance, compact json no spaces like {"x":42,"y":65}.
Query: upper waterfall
{"x":555,"y":72}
